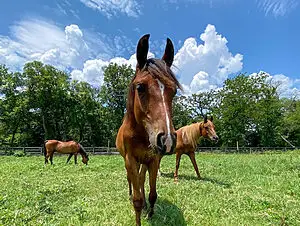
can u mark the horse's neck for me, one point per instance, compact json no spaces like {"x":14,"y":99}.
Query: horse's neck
{"x":132,"y":125}
{"x":196,"y":135}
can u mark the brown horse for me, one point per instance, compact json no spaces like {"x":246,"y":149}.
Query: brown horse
{"x":147,"y":128}
{"x":69,"y":147}
{"x":188,"y":138}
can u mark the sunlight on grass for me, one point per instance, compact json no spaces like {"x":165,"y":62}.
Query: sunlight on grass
{"x":236,"y":189}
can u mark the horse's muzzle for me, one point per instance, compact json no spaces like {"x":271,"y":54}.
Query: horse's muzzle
{"x":166,"y":143}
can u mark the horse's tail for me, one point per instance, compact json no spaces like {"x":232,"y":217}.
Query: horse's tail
{"x":44,"y":146}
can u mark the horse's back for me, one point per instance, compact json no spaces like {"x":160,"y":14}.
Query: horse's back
{"x":51,"y":144}
{"x":67,"y":147}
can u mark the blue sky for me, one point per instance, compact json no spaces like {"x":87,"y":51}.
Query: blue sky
{"x":213,"y":39}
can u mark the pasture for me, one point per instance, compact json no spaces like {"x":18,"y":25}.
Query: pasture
{"x":236,"y":189}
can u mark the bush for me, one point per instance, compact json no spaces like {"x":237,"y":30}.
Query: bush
{"x":19,"y":154}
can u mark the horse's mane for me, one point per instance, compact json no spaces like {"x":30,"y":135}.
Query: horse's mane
{"x":82,"y":151}
{"x":191,"y":134}
{"x":159,"y":70}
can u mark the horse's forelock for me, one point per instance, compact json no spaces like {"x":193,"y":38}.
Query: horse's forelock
{"x":158,"y":69}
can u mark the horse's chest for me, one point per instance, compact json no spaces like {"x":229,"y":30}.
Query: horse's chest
{"x":145,"y":156}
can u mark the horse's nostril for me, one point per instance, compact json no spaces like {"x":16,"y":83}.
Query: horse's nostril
{"x":175,"y":135}
{"x":160,"y":139}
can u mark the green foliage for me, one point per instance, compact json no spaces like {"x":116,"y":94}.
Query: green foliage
{"x":249,"y":110}
{"x":265,"y":192}
{"x":113,"y":97}
{"x":19,"y":153}
{"x":43,"y":103}
{"x":290,"y":126}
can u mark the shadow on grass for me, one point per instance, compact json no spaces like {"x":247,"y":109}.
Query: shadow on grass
{"x":166,"y":213}
{"x":189,"y":177}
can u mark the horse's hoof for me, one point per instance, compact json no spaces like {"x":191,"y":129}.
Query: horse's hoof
{"x":150,"y":214}
{"x":176,"y":180}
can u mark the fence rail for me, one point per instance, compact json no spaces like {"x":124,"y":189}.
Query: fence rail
{"x":113,"y":150}
{"x":244,"y":149}
{"x":40,"y":150}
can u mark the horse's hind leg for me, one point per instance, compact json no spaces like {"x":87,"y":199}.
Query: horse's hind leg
{"x":153,"y":168}
{"x":46,"y":158}
{"x":178,"y":156}
{"x":51,"y":158}
{"x":159,"y":171}
{"x":70,"y":156}
{"x":192,"y":158}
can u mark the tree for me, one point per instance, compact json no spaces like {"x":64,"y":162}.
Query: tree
{"x":290,"y":127}
{"x":14,"y":104}
{"x":83,"y":113}
{"x":47,"y":90}
{"x":182,"y":113}
{"x":113,"y":97}
{"x":249,"y":111}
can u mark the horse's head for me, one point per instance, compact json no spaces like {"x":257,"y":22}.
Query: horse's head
{"x":85,"y":159}
{"x":207,"y":129}
{"x":151,"y":94}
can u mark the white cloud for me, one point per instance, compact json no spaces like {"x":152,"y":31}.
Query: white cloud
{"x":286,"y":87}
{"x":68,"y":48}
{"x":112,"y":7}
{"x":277,"y":7}
{"x":92,"y":71}
{"x":205,"y":66}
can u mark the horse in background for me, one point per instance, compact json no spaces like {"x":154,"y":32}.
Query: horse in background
{"x":188,"y":138}
{"x":69,"y":147}
{"x":147,"y":130}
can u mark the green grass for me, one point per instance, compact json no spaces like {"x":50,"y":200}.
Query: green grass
{"x":237,"y":189}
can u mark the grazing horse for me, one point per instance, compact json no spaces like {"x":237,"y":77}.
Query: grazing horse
{"x":70,"y":147}
{"x":188,"y":138}
{"x":147,"y":130}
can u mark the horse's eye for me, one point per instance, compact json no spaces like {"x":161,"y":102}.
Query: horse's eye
{"x":140,"y":88}
{"x":206,"y":127}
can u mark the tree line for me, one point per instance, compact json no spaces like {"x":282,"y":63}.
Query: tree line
{"x":42,"y":102}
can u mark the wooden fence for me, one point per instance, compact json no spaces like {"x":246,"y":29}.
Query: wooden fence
{"x":113,"y":151}
{"x":40,"y":150}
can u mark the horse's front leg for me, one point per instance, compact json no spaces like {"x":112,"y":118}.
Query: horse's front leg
{"x":153,"y":168}
{"x":75,"y":158}
{"x":70,"y":156}
{"x":142,"y":183}
{"x":159,"y":171}
{"x":133,"y":175}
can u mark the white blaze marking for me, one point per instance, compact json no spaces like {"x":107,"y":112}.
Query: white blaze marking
{"x":168,"y":142}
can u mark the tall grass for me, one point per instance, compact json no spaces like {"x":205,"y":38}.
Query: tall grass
{"x":236,"y":189}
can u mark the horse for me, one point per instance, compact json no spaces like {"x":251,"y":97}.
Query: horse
{"x":69,"y":147}
{"x":147,"y":130}
{"x":188,"y":138}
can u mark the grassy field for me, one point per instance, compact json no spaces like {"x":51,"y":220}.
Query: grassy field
{"x":236,"y":189}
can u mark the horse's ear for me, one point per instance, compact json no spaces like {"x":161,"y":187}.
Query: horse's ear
{"x":142,"y":51}
{"x":211,"y":118}
{"x":205,"y":118}
{"x":168,"y":56}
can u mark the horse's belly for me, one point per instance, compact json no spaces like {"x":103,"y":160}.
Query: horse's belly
{"x":66,"y":150}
